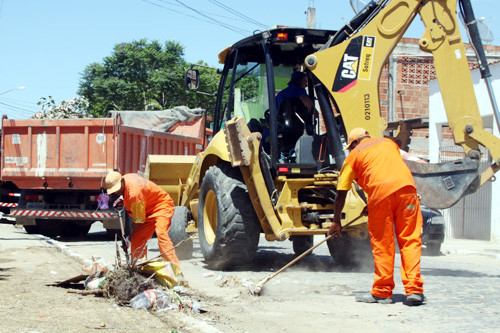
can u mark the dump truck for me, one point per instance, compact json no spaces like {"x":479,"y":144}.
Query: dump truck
{"x":274,"y":171}
{"x":59,"y":165}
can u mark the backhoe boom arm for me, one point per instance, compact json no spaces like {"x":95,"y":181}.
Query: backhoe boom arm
{"x":351,"y":70}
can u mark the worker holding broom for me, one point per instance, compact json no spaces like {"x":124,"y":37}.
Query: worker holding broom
{"x":393,"y":205}
{"x":151,"y":209}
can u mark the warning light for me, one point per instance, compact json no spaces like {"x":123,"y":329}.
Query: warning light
{"x":282,"y":169}
{"x":282,"y":37}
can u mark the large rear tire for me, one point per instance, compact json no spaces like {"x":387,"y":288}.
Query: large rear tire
{"x":227,"y":224}
{"x":177,"y":233}
{"x":349,"y":251}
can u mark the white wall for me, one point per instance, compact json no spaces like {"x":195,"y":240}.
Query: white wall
{"x":437,"y":116}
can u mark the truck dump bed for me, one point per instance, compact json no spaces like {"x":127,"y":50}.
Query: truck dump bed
{"x":78,"y":153}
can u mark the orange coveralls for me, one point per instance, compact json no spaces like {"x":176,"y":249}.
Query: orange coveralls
{"x":392,"y":205}
{"x":152,"y":208}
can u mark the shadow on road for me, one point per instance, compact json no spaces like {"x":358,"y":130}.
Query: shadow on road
{"x":454,"y":272}
{"x":100,"y":236}
{"x":2,"y":275}
{"x":271,"y":261}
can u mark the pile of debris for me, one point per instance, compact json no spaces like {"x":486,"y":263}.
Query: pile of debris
{"x":152,"y":284}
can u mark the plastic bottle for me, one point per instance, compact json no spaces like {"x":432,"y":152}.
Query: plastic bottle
{"x":144,"y":300}
{"x":162,"y":299}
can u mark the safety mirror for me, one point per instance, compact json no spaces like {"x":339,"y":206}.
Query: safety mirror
{"x":192,"y":79}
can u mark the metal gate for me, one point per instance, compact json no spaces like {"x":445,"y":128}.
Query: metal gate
{"x":470,"y":217}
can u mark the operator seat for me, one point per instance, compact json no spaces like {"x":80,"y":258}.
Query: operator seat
{"x":290,"y":127}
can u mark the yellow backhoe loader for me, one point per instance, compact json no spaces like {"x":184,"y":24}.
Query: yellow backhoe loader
{"x":274,"y":170}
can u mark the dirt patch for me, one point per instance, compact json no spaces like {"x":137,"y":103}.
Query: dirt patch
{"x":31,"y":305}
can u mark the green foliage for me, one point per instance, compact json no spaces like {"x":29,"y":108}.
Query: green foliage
{"x":143,"y":75}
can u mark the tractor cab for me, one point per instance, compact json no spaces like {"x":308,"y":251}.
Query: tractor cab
{"x":256,"y":70}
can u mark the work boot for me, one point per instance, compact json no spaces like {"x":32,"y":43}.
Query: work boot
{"x":416,"y":299}
{"x":369,"y":298}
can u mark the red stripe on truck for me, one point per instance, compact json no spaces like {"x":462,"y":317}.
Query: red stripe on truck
{"x":45,"y":213}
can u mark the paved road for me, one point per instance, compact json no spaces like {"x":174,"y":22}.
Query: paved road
{"x":462,"y":286}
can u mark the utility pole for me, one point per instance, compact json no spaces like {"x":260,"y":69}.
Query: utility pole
{"x":311,"y":16}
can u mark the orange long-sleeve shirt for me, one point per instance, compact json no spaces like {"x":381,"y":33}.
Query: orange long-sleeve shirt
{"x":144,"y":199}
{"x":377,"y":166}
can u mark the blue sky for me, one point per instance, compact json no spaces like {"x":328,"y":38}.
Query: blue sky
{"x":47,"y":43}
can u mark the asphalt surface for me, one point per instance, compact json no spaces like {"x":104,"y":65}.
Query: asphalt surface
{"x":461,"y":284}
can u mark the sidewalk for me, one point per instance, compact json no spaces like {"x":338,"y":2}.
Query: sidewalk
{"x":468,"y":246}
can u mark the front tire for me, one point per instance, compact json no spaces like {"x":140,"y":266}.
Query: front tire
{"x":227,"y":224}
{"x":177,"y":233}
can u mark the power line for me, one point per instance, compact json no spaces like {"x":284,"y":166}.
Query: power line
{"x":210,"y":19}
{"x":243,"y":16}
{"x":175,"y":11}
{"x":207,"y":13}
{"x":19,"y":109}
{"x":222,"y":24}
{"x":18,"y":101}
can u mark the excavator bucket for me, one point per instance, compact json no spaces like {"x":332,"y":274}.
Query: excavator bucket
{"x":441,"y":185}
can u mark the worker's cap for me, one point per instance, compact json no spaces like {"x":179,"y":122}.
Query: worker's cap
{"x":355,"y":134}
{"x":297,"y":78}
{"x":113,"y":182}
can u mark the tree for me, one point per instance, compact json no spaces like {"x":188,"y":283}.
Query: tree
{"x":68,"y":109}
{"x":142,"y":75}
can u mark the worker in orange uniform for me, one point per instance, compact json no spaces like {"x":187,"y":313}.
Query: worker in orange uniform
{"x":393,"y":204}
{"x":151,"y":209}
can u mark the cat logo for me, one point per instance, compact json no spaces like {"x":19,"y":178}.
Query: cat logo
{"x":356,"y":63}
{"x":367,"y":53}
{"x":349,"y":63}
{"x":369,"y":41}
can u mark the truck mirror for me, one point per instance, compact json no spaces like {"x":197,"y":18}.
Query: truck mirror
{"x":192,"y":79}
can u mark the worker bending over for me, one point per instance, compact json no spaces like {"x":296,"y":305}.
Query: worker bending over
{"x":151,"y":209}
{"x":379,"y":169}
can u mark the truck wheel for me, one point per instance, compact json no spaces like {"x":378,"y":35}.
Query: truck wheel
{"x":433,"y":249}
{"x":348,"y":251}
{"x":51,"y":228}
{"x":177,"y":233}
{"x":227,"y":224}
{"x":302,"y":243}
{"x":76,"y":229}
{"x":31,"y":229}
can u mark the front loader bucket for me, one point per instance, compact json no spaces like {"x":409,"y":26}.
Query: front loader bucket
{"x":441,"y":185}
{"x":170,"y":172}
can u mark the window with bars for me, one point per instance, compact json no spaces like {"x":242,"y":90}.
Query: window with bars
{"x":417,"y":71}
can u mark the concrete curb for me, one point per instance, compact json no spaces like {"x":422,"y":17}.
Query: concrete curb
{"x":64,"y":249}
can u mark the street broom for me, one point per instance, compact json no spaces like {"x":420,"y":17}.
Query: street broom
{"x":260,"y":284}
